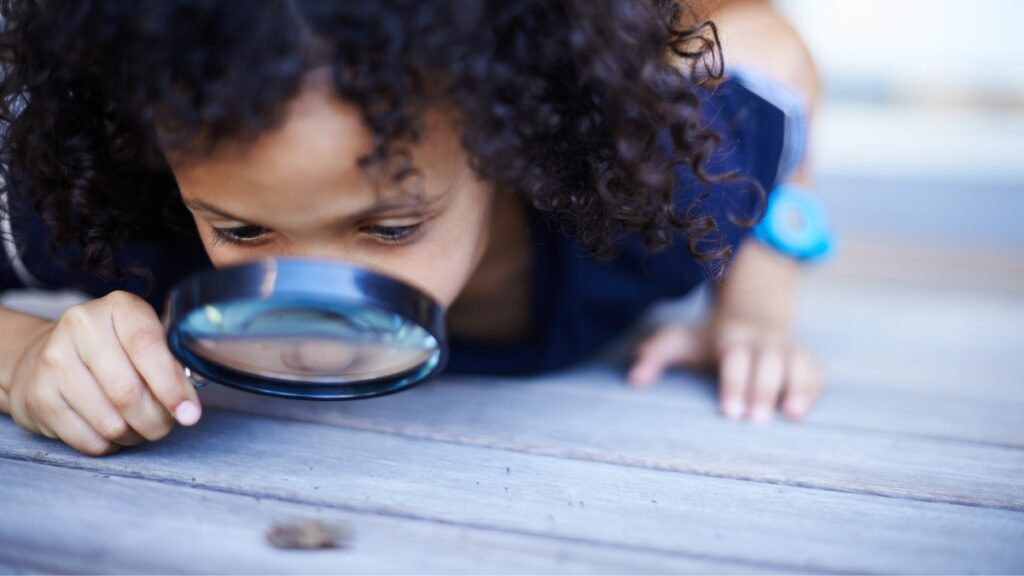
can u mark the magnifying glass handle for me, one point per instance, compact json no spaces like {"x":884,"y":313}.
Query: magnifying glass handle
{"x":196,"y":380}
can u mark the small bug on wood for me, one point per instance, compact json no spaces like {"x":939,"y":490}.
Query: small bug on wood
{"x":308,"y":535}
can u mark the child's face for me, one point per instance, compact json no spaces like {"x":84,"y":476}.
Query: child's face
{"x":299,"y":191}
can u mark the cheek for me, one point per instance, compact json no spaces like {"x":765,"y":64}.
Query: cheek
{"x":440,"y":265}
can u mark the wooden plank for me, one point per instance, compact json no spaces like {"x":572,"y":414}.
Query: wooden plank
{"x":893,"y":337}
{"x":900,"y":336}
{"x":45,"y":303}
{"x":847,"y":404}
{"x":627,"y":428}
{"x":10,"y":568}
{"x":928,"y":265}
{"x":659,"y":511}
{"x":64,"y":520}
{"x":959,"y":377}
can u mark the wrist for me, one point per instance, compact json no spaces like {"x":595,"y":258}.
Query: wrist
{"x":759,"y":289}
{"x":725,"y":321}
{"x":30,"y":330}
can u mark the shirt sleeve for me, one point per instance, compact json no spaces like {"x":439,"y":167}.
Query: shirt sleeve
{"x":13,"y":272}
{"x":26,"y":262}
{"x":792,"y":105}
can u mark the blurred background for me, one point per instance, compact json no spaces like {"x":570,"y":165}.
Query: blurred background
{"x":918,"y":152}
{"x":919,"y":147}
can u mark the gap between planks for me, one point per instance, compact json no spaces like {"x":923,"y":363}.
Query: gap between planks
{"x":695,"y":394}
{"x":485,"y":416}
{"x":897,"y":489}
{"x":229,"y":505}
{"x":839,"y":532}
{"x":626,"y":462}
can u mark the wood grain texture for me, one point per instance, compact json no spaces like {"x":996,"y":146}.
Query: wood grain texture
{"x":640,"y":429}
{"x":789,"y":527}
{"x":114,"y":524}
{"x":846,"y":404}
{"x":891,"y":337}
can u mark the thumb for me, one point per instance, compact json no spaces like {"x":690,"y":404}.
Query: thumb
{"x":673,"y":345}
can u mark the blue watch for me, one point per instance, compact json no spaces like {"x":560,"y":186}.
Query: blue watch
{"x":794,"y":224}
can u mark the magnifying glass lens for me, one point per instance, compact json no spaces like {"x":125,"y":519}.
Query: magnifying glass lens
{"x":305,"y":329}
{"x":300,"y":344}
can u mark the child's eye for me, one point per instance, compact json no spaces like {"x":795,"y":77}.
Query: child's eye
{"x":239,"y":234}
{"x":394,"y":234}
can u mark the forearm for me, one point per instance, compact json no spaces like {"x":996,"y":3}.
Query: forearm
{"x":759,"y":289}
{"x":761,"y":283}
{"x":19,"y":330}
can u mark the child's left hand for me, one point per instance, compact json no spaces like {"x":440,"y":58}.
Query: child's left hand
{"x":756,"y":366}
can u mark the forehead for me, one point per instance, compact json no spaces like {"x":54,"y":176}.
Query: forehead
{"x":318,"y":142}
{"x":311,"y":161}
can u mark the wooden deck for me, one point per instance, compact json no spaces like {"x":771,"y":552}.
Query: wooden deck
{"x":912,"y":462}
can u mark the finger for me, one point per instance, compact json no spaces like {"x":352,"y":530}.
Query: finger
{"x":29,"y":401}
{"x":86,"y":398}
{"x":22,"y":416}
{"x":804,"y":383}
{"x":141,"y":334}
{"x":769,"y":371}
{"x":734,"y":373}
{"x":76,"y":432}
{"x":673,"y":345}
{"x":37,"y":409}
{"x":124,"y":388}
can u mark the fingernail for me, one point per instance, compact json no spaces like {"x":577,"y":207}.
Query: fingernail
{"x":187,"y":413}
{"x":734,"y":408}
{"x":796,"y":405}
{"x":761,"y":414}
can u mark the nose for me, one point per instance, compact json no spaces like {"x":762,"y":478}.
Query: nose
{"x":335,"y":253}
{"x":322,"y":251}
{"x":318,"y":357}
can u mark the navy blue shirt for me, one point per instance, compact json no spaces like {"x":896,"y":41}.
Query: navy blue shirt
{"x":578,"y":303}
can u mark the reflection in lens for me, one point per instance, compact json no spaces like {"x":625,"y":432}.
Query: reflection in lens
{"x":319,"y":356}
{"x":308,"y":343}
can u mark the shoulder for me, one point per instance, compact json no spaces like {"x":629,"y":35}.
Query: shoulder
{"x":771,"y":76}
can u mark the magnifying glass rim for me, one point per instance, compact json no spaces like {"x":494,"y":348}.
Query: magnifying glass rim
{"x":310,"y":280}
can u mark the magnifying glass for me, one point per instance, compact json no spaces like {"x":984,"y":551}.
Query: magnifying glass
{"x":303,"y":328}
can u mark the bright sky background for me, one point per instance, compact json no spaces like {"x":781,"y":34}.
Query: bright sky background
{"x":918,"y":89}
{"x":952,"y":44}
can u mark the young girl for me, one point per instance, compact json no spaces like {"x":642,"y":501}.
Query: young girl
{"x":544,"y":169}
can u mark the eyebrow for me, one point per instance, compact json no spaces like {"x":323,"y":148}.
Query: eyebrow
{"x":375,"y":209}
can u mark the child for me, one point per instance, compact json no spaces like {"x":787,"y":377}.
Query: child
{"x":545,"y":170}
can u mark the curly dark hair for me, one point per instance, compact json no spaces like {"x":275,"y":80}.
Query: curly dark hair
{"x":583,"y":107}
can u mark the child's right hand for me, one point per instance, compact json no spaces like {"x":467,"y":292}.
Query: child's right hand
{"x":102,"y":377}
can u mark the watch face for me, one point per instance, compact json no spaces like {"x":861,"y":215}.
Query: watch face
{"x":794,"y":224}
{"x":306,"y":329}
